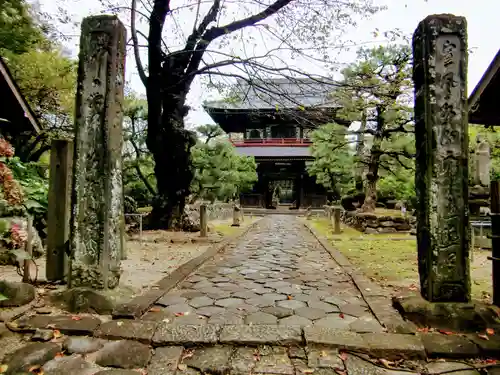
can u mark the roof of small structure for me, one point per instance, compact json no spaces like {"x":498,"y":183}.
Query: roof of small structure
{"x":16,"y":115}
{"x":305,"y":101}
{"x":484,"y":101}
{"x":277,"y":151}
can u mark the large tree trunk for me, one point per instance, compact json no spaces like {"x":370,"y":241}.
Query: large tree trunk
{"x":170,"y":145}
{"x":372,"y":176}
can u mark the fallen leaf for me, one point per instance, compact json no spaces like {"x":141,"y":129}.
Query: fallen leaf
{"x":3,"y":368}
{"x":74,"y":317}
{"x":307,"y":371}
{"x":181,"y":367}
{"x":179,"y":314}
{"x":57,"y":334}
{"x":154,"y":309}
{"x":413,"y":287}
{"x":490,"y":331}
{"x":341,"y":315}
{"x":187,"y":354}
{"x":119,"y":324}
{"x":290,"y":297}
{"x":343,"y":356}
{"x":442,"y":331}
{"x":423,"y":329}
{"x":482,"y":336}
{"x":323,"y":354}
{"x":490,"y":361}
{"x":166,"y":320}
{"x":51,"y":326}
{"x":340,"y":371}
{"x":59,"y":355}
{"x":36,"y":369}
{"x":385,"y":362}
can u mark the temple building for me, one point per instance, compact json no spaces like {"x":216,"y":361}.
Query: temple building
{"x":271,"y":121}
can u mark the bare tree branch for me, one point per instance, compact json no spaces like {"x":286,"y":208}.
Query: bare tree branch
{"x":140,"y":67}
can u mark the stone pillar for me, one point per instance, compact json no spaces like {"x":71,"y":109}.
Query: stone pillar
{"x":336,"y":220}
{"x":441,"y":121}
{"x":482,"y":162}
{"x":97,"y":223}
{"x":203,"y":220}
{"x":236,"y":216}
{"x":59,"y":209}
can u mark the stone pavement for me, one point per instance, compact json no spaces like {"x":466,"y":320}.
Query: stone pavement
{"x":278,"y":274}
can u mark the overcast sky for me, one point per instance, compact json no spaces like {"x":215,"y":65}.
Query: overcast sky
{"x":483,"y":31}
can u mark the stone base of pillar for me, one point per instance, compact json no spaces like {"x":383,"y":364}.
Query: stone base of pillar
{"x":92,"y":276}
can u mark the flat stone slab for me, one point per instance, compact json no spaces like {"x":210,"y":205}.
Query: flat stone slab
{"x":333,"y":338}
{"x":261,"y":318}
{"x":260,"y":334}
{"x":33,"y":354}
{"x":73,"y":364}
{"x":165,"y":360}
{"x":66,"y":324}
{"x":211,"y":360}
{"x":438,"y":345}
{"x":176,"y":334}
{"x":125,"y":354}
{"x":391,"y":345}
{"x":82,"y":344}
{"x":138,"y":330}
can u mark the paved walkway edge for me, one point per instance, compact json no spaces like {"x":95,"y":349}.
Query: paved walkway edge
{"x":141,"y":304}
{"x":379,"y":303}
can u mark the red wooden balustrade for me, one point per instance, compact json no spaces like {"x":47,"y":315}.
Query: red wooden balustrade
{"x":298,"y":142}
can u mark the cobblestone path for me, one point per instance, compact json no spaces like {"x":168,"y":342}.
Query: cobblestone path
{"x":278,"y":274}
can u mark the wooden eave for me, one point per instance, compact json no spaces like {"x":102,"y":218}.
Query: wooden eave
{"x":484,"y":102}
{"x":16,"y":92}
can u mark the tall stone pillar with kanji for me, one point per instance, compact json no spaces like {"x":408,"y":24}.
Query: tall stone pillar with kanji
{"x":97,"y":225}
{"x":441,"y":123}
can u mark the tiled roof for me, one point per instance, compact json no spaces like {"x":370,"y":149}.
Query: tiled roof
{"x":279,"y":93}
{"x":269,"y":151}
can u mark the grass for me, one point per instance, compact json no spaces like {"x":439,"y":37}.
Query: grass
{"x":391,"y":259}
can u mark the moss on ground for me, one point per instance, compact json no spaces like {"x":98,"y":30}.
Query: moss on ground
{"x":391,"y":259}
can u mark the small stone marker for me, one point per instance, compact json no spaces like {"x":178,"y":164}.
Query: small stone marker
{"x":203,"y":220}
{"x":440,"y":76}
{"x":336,"y":220}
{"x":236,"y":216}
{"x":97,"y":224}
{"x":482,"y":162}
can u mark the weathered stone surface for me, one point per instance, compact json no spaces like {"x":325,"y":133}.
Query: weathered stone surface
{"x":441,"y":179}
{"x":211,"y":359}
{"x":42,"y":335}
{"x":170,"y":334}
{"x":226,"y":317}
{"x":318,"y":357}
{"x":439,"y":367}
{"x":310,"y":313}
{"x":125,"y":354}
{"x":64,"y":323}
{"x":165,"y":360}
{"x":74,"y":365}
{"x":141,"y":331}
{"x":201,"y":302}
{"x":82,"y":345}
{"x":243,"y":361}
{"x":168,"y":300}
{"x":261,"y":318}
{"x":260,"y":334}
{"x":279,"y":312}
{"x":33,"y":354}
{"x":390,"y":345}
{"x":17,"y":294}
{"x":335,"y":321}
{"x":85,"y":300}
{"x":355,"y":365}
{"x":97,"y":221}
{"x":451,"y":346}
{"x":295,"y":320}
{"x":334,"y":338}
{"x":274,"y":363}
{"x":327,"y":307}
{"x":291,"y":304}
{"x":116,"y":372}
{"x":367,"y":324}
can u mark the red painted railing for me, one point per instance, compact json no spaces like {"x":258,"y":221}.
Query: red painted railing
{"x":296,"y":142}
